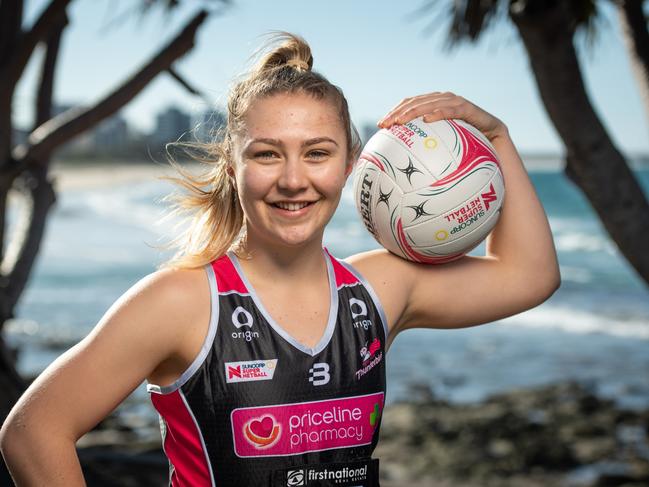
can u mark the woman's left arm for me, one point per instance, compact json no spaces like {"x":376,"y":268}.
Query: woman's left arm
{"x":520,"y":269}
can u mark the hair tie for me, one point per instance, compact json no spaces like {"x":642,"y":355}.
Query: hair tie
{"x":298,"y":64}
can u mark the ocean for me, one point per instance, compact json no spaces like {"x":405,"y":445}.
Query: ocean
{"x":595,"y":329}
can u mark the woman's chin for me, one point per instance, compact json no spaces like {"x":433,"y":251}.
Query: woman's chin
{"x":297,"y":240}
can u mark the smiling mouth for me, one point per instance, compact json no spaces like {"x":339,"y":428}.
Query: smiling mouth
{"x":292,"y":206}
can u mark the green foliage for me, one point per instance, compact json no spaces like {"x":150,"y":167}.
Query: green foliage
{"x":467,"y":20}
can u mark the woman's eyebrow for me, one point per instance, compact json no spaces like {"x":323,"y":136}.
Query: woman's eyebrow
{"x":279,"y":143}
{"x":318,"y":140}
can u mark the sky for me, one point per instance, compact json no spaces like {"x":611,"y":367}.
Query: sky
{"x":378,"y":52}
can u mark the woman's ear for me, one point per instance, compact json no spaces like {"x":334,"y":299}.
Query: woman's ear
{"x":229,"y":170}
{"x":349,"y":168}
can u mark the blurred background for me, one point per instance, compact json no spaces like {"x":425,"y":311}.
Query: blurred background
{"x":91,"y":92}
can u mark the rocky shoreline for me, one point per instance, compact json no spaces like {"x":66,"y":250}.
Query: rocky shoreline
{"x":558,"y":435}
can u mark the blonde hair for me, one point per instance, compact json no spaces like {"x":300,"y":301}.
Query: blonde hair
{"x":210,"y":202}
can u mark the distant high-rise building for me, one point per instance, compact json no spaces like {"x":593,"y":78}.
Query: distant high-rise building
{"x":111,"y":134}
{"x":171,"y":125}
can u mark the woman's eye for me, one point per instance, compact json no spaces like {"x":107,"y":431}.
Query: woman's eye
{"x":317,"y":154}
{"x":266,"y":154}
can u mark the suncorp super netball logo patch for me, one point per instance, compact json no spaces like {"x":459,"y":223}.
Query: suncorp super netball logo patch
{"x":290,"y":429}
{"x":250,"y":370}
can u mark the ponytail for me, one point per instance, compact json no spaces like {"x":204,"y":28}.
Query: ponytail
{"x":210,"y":205}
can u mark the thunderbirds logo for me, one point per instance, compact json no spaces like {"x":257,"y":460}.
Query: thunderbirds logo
{"x":371,"y":355}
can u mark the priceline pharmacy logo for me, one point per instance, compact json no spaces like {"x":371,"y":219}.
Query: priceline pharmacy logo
{"x":290,"y":429}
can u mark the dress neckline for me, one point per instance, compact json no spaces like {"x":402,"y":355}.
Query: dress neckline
{"x":333,"y":308}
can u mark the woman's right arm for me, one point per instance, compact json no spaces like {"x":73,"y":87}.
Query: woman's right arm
{"x":153,"y":323}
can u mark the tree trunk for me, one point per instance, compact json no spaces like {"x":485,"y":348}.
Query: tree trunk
{"x":34,"y":185}
{"x":11,"y":384}
{"x":26,"y":41}
{"x":30,"y":169}
{"x":11,"y":16}
{"x":19,"y":258}
{"x":636,"y":38}
{"x":592,"y":161}
{"x":38,"y":195}
{"x":32,"y":180}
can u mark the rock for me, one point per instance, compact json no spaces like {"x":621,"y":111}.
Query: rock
{"x":546,"y":436}
{"x":106,"y":467}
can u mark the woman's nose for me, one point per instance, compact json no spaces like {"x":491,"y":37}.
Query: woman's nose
{"x":293,"y":176}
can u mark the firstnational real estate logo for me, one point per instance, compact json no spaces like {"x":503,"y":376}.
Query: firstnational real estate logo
{"x":354,"y":473}
{"x":295,"y":477}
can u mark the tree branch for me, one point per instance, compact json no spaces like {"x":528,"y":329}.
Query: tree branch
{"x":636,"y":38}
{"x":185,"y":84}
{"x":28,"y":41}
{"x":71,"y":123}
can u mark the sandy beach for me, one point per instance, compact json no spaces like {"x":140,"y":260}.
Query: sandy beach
{"x":103,"y":174}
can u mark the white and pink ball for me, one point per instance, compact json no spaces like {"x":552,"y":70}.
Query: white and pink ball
{"x":429,"y":192}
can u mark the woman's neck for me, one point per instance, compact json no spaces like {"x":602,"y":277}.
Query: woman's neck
{"x":303,"y":263}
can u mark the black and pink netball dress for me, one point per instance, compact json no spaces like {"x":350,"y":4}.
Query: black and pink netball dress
{"x":257,"y":408}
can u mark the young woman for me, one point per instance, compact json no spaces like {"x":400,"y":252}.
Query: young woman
{"x":263,"y":353}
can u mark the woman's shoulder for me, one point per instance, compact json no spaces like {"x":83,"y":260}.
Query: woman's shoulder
{"x":176,"y":292}
{"x":377,"y":264}
{"x":170,"y":302}
{"x":389,"y":276}
{"x":180,"y":283}
{"x":175,"y":307}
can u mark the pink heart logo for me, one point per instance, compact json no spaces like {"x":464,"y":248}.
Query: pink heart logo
{"x":263,"y":427}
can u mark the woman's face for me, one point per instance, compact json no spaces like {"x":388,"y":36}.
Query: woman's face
{"x":290,"y":168}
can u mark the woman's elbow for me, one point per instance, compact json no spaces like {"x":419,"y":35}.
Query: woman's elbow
{"x":19,"y":434}
{"x":9,"y":440}
{"x":552,"y":284}
{"x":530,"y":287}
{"x":544,"y":284}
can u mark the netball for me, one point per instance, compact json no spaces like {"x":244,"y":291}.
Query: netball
{"x":429,"y":192}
